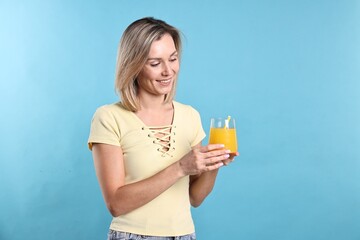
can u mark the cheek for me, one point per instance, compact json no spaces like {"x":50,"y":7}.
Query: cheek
{"x":176,"y":67}
{"x":147,"y":74}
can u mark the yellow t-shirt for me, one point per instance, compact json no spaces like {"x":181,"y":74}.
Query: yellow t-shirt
{"x":168,"y":214}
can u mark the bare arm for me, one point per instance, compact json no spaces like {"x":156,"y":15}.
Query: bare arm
{"x":122,"y":198}
{"x":202,"y":184}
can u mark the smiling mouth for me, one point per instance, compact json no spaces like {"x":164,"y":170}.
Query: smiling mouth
{"x":164,"y":81}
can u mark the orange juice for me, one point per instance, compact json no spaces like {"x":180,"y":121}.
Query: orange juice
{"x":226,"y":136}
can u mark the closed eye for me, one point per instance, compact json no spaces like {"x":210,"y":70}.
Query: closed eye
{"x":154,"y":64}
{"x":173,"y":59}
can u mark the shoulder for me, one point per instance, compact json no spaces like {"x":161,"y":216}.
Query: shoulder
{"x":186,"y":112}
{"x":184,"y":108}
{"x":113,"y":107}
{"x":114,"y":110}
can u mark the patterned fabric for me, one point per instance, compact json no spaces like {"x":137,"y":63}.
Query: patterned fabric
{"x":116,"y":235}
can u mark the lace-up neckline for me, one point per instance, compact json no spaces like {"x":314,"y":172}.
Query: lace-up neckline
{"x":162,"y":136}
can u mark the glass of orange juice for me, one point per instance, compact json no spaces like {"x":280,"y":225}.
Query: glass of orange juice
{"x":223,"y":131}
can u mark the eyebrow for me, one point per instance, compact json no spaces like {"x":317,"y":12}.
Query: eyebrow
{"x":173,"y":54}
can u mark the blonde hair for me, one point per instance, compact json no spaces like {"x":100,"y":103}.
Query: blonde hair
{"x":133,"y":51}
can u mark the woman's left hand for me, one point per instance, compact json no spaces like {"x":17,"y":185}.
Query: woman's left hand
{"x":231,"y":158}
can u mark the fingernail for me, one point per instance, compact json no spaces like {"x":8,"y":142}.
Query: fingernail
{"x":227,"y":151}
{"x":227,"y":155}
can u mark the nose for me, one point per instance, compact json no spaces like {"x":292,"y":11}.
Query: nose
{"x":166,"y":69}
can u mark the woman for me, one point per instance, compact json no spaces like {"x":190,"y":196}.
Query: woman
{"x":147,"y":148}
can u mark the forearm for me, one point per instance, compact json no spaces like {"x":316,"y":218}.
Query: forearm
{"x":132,"y":196}
{"x":201,"y":186}
{"x":122,"y":198}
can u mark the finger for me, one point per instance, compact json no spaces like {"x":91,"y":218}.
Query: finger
{"x":233,"y":155}
{"x":216,"y":159}
{"x":211,"y":147}
{"x":214,"y":166}
{"x":228,"y":161}
{"x":216,"y":153}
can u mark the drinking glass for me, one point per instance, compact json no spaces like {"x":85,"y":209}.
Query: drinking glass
{"x":223,"y":131}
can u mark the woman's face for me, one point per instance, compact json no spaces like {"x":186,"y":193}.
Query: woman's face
{"x":161,"y":68}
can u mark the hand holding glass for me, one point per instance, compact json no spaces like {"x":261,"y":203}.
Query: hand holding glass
{"x":223,"y":131}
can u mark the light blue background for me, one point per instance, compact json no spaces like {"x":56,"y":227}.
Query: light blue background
{"x":288,"y":71}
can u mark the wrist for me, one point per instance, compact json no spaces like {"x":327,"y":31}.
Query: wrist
{"x":178,"y":169}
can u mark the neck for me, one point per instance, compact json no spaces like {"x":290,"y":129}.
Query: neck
{"x":149,"y":102}
{"x":154,"y":111}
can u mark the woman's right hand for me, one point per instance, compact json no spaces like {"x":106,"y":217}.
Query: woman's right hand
{"x":203,"y":159}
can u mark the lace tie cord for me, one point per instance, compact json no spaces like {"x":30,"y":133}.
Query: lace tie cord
{"x":162,"y":137}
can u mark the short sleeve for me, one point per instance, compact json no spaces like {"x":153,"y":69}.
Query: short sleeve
{"x":198,"y":131}
{"x":104,"y":128}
